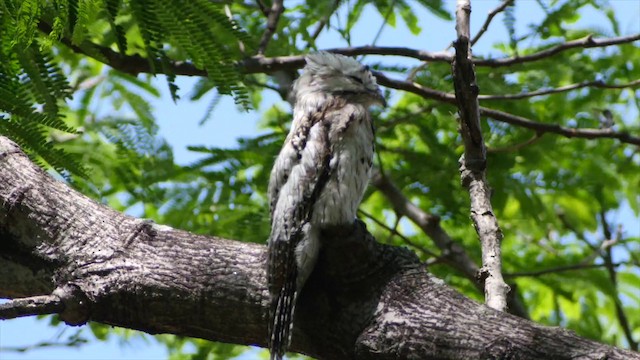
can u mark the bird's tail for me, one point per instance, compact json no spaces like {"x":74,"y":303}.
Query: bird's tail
{"x":282,"y":310}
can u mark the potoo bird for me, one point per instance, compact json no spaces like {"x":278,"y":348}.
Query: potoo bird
{"x":319,"y":177}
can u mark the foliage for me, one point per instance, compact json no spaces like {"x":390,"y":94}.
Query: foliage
{"x":557,"y":199}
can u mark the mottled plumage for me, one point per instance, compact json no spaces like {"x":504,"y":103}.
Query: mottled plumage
{"x":319,"y":177}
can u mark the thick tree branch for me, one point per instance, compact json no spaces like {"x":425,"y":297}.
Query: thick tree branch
{"x":364,"y":301}
{"x":473,"y":163}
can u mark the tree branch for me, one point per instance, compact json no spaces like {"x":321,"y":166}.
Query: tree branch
{"x":490,"y":17}
{"x":35,"y":305}
{"x":452,"y":252}
{"x":613,"y":276}
{"x":586,"y":42}
{"x":502,"y":116}
{"x":558,"y":269}
{"x":587,"y":133}
{"x":473,"y":163}
{"x":395,"y":232}
{"x":135,"y":64}
{"x":512,"y":148}
{"x":277,"y":8}
{"x":364,"y":300}
{"x":594,"y":84}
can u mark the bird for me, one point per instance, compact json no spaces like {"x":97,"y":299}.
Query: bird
{"x":319,"y":176}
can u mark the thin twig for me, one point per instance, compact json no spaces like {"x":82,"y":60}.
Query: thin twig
{"x":277,"y":8}
{"x":594,"y":84}
{"x":323,"y":22}
{"x":513,"y":148}
{"x":395,"y":232}
{"x":262,"y":7}
{"x":613,"y":276}
{"x":473,"y":163}
{"x":429,"y":224}
{"x":490,"y":17}
{"x":586,"y":42}
{"x":579,"y":266}
{"x":384,"y":22}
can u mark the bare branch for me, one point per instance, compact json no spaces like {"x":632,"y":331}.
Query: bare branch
{"x":613,"y":276}
{"x":473,"y":164}
{"x":593,"y":84}
{"x":586,"y":42}
{"x":429,"y":224}
{"x":579,"y":266}
{"x":587,"y":133}
{"x":323,"y":22}
{"x":505,"y":117}
{"x":452,"y":253}
{"x":512,"y":148}
{"x":277,"y":8}
{"x":490,"y":17}
{"x":398,"y":234}
{"x":36,"y":305}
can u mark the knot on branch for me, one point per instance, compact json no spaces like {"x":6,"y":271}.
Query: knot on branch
{"x":77,"y":306}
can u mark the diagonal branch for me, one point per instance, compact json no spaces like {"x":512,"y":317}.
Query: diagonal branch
{"x":452,"y":253}
{"x":473,"y":163}
{"x":395,"y":232}
{"x":490,"y":17}
{"x":277,"y":8}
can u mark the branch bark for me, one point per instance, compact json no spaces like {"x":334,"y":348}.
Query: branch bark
{"x":364,"y":301}
{"x":474,"y":161}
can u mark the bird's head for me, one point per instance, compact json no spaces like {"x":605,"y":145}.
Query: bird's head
{"x":339,"y":75}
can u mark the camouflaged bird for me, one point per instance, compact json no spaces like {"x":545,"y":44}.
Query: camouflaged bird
{"x":319,"y":177}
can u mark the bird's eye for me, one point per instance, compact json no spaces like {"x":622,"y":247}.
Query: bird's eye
{"x":356,"y":79}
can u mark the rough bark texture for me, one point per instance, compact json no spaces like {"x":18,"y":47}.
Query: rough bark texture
{"x":364,"y":301}
{"x":474,"y":162}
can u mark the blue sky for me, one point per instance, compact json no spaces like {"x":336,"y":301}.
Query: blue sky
{"x":179,"y":125}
